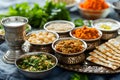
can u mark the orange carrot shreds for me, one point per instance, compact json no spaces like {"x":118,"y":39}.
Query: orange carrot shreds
{"x":86,"y":33}
{"x":94,"y":4}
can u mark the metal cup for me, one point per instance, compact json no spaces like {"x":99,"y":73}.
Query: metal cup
{"x":14,"y":35}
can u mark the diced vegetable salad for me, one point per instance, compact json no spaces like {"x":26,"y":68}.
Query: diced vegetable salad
{"x":36,"y":63}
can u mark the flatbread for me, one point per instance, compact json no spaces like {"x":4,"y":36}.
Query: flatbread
{"x":112,"y":47}
{"x":99,"y":62}
{"x":103,"y":49}
{"x":106,"y":57}
{"x":107,"y":54}
{"x":105,"y":60}
{"x":115,"y":43}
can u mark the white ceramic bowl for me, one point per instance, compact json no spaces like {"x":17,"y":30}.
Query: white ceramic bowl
{"x":107,"y":34}
{"x":69,"y":3}
{"x":94,"y":14}
{"x":61,"y":33}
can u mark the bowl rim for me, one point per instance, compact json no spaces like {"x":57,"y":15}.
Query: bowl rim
{"x":36,"y":53}
{"x":42,"y":30}
{"x":114,"y":6}
{"x":59,"y":21}
{"x":71,"y":5}
{"x":69,"y":38}
{"x":100,"y":35}
{"x":106,"y":20}
{"x":4,"y":19}
{"x":92,"y":9}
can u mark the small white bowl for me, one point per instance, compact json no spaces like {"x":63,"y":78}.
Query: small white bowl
{"x":107,"y":34}
{"x":69,"y":3}
{"x":61,"y":33}
{"x":94,"y":14}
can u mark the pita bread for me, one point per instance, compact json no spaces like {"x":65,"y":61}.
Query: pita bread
{"x":106,"y":57}
{"x":103,"y":50}
{"x":107,"y":54}
{"x":115,"y":43}
{"x":112,"y":47}
{"x":97,"y":61}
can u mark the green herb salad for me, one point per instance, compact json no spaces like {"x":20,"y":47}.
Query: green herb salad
{"x":36,"y":63}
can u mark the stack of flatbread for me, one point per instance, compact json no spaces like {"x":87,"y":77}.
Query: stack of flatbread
{"x":107,"y":54}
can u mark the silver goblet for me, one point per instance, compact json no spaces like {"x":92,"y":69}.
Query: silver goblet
{"x":14,"y":35}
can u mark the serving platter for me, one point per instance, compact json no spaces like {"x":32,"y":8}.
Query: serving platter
{"x":86,"y":66}
{"x":89,"y":67}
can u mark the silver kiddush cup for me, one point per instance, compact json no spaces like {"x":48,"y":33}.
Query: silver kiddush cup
{"x":14,"y":36}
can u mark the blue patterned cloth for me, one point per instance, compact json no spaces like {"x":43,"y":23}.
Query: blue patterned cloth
{"x":10,"y":72}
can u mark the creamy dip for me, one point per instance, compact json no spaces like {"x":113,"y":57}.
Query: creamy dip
{"x":59,"y":27}
{"x":108,"y":26}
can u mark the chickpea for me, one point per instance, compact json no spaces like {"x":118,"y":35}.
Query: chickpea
{"x":46,"y":40}
{"x":51,"y":34}
{"x":44,"y":33}
{"x":40,"y":33}
{"x":41,"y":37}
{"x":53,"y":38}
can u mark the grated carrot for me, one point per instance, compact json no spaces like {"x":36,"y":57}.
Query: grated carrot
{"x":86,"y":33}
{"x":94,"y":4}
